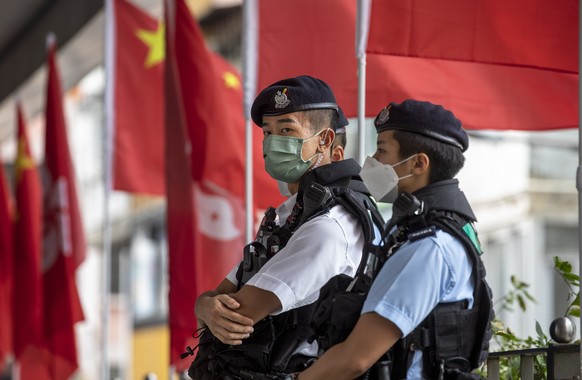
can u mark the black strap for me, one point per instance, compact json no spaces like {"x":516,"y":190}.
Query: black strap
{"x":365,"y":209}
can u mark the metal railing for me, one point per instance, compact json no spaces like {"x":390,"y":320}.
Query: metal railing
{"x":562,"y":362}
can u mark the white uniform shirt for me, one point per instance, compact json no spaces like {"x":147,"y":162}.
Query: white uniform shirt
{"x":320,"y":249}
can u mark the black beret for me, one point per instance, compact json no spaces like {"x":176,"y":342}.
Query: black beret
{"x":342,"y":122}
{"x":425,"y":118}
{"x":291,"y":95}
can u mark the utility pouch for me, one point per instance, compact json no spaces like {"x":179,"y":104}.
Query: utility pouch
{"x":338,"y":309}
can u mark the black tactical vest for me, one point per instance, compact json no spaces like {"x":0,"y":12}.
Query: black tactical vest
{"x":454,"y":339}
{"x":270,"y":348}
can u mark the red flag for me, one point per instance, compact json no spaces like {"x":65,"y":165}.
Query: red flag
{"x":6,"y":265}
{"x":522,"y":33}
{"x":180,"y":216}
{"x":317,"y":38}
{"x":27,"y":310}
{"x":64,"y":239}
{"x":204,"y":169}
{"x":513,"y":93}
{"x":138,"y":105}
{"x":496,"y":64}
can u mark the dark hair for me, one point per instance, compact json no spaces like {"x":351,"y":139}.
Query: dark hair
{"x":445,"y":160}
{"x":322,"y":118}
{"x":340,"y":140}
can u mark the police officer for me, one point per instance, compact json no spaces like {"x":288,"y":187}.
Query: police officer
{"x":420,"y":149}
{"x":298,"y":117}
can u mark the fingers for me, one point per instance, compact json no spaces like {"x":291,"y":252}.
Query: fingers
{"x":226,"y":324}
{"x":230,"y":314}
{"x":227,"y":301}
{"x":229,"y":332}
{"x":230,"y":338}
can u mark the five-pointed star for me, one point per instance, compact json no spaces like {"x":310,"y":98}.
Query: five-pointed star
{"x":231,"y":80}
{"x":156,"y":43}
{"x":23,"y":161}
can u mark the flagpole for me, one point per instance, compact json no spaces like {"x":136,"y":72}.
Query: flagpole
{"x":15,"y":370}
{"x":248,"y":181}
{"x":362,"y":24}
{"x":250,"y":52}
{"x":579,"y":170}
{"x":361,"y":108}
{"x":107,"y":165}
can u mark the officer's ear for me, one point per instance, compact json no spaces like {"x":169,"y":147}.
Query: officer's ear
{"x":326,"y":141}
{"x":420,"y":164}
{"x":337,"y":153}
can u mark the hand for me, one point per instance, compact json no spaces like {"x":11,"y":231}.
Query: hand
{"x":219,"y":315}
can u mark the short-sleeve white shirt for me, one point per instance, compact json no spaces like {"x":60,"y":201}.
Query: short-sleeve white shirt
{"x":323,"y":247}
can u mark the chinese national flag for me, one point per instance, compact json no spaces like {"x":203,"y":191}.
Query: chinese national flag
{"x":64,"y":239}
{"x":6,"y":265}
{"x":490,"y":62}
{"x":204,"y":171}
{"x":139,"y":160}
{"x":138,"y":105}
{"x":27,"y":301}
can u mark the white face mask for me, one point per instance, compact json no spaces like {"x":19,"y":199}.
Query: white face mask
{"x":381,"y":179}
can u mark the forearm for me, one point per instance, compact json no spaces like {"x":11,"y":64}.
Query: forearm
{"x":371,"y":338}
{"x":338,"y":363}
{"x":256,"y":303}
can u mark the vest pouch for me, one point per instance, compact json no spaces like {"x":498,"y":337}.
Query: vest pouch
{"x":294,"y":330}
{"x":337,"y":310}
{"x":455,"y":330}
{"x":216,"y":360}
{"x":284,"y":359}
{"x":203,"y":366}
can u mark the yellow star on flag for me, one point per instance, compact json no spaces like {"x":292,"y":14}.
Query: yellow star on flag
{"x":23,"y":161}
{"x":231,"y":80}
{"x":156,"y":43}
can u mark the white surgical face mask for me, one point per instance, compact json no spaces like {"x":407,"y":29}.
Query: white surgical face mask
{"x":381,"y":179}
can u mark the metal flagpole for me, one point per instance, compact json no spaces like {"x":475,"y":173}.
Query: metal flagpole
{"x":250,"y":52}
{"x":361,"y":109}
{"x":362,"y":25}
{"x":579,"y":170}
{"x":107,"y":165}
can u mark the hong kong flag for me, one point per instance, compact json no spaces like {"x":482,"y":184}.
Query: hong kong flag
{"x":205,"y":161}
{"x":64,"y":240}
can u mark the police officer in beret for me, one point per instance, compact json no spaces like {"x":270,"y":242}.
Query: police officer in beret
{"x":299,"y":117}
{"x":419,"y":151}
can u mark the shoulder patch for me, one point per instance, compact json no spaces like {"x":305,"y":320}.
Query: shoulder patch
{"x":419,"y":234}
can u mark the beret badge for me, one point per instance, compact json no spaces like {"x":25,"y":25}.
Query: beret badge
{"x":384,"y":115}
{"x":281,"y":99}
